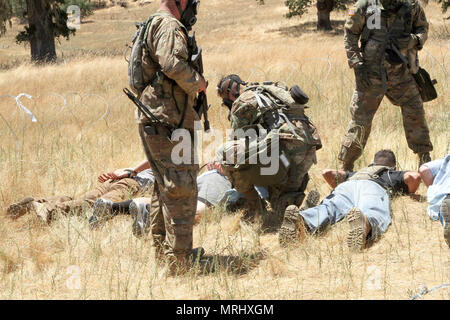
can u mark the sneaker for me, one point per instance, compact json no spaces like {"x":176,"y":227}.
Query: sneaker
{"x":101,"y":211}
{"x":141,"y":220}
{"x":424,"y":158}
{"x":445,"y":210}
{"x":16,"y":210}
{"x":312,"y":200}
{"x":359,"y":229}
{"x":293,"y":228}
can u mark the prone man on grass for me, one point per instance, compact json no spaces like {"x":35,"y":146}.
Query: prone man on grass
{"x":361,"y":197}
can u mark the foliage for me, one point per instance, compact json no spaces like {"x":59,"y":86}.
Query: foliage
{"x":85,"y":6}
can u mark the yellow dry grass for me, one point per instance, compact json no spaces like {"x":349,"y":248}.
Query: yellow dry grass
{"x":95,"y":131}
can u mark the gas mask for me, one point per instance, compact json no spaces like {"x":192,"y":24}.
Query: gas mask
{"x":228,"y":89}
{"x":188,"y":16}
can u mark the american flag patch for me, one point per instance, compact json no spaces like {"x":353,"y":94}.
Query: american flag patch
{"x":352,"y":11}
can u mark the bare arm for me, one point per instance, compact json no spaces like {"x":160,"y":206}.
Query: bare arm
{"x":122,"y":173}
{"x":412,"y":180}
{"x":334,"y":177}
{"x":426,"y":175}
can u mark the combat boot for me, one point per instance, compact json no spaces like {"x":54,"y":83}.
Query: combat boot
{"x":359,"y":230}
{"x":293,"y":229}
{"x":102,"y":210}
{"x":16,"y":210}
{"x":179,"y":265}
{"x":312,"y":200}
{"x":424,"y":157}
{"x":141,"y":218}
{"x":445,"y":210}
{"x":347,"y":166}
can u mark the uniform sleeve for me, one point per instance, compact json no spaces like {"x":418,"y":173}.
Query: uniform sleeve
{"x":353,"y":29}
{"x":434,"y":166}
{"x":171,"y":50}
{"x":419,"y":24}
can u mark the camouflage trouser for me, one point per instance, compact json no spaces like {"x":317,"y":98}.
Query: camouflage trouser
{"x":401,"y":91}
{"x":115,"y":191}
{"x":174,"y":197}
{"x":291,"y":191}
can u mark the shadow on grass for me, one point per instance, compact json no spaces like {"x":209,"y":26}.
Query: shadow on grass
{"x":310,"y":27}
{"x":238,"y":265}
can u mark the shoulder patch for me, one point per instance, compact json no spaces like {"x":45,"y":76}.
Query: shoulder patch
{"x":352,"y":11}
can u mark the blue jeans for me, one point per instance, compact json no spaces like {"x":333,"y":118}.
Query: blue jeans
{"x":368,"y":196}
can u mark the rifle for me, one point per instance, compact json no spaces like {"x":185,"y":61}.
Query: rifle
{"x":201,"y":105}
{"x":142,"y":107}
{"x":422,"y":78}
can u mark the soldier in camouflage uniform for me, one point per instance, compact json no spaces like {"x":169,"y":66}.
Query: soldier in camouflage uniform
{"x":298,"y":138}
{"x":172,"y":89}
{"x":379,"y":71}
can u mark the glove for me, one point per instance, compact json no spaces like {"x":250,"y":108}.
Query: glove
{"x":408,"y":42}
{"x":362,"y":76}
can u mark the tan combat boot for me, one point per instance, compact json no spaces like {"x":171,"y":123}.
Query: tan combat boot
{"x":445,"y":210}
{"x":424,"y":157}
{"x":359,"y":229}
{"x":18,"y":209}
{"x":293,"y":230}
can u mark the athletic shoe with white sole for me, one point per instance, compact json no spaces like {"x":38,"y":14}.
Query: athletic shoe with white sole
{"x":293,"y":228}
{"x":359,"y":229}
{"x":102,"y":210}
{"x":141,"y":220}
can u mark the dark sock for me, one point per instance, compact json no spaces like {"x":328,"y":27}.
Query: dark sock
{"x":121,"y":207}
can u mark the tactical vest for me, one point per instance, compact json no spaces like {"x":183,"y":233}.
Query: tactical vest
{"x":371,"y":172}
{"x":152,"y":73}
{"x":400,"y":24}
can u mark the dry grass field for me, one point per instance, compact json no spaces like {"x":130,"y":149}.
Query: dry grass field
{"x":86,"y":126}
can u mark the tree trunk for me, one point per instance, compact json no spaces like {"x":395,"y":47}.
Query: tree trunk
{"x":42,"y":40}
{"x":324,"y":7}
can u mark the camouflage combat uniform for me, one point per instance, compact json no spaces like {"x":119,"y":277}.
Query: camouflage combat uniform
{"x":300,"y":150}
{"x":393,"y":80}
{"x":170,"y":96}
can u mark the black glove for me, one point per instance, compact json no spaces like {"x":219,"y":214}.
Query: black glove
{"x":362,"y":76}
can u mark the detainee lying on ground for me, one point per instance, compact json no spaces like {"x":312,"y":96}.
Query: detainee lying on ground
{"x":214,"y":188}
{"x":362,"y":197}
{"x":117,"y":185}
{"x":436,"y":176}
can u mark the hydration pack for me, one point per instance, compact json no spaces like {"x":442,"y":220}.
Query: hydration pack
{"x":371,"y":172}
{"x":138,"y":45}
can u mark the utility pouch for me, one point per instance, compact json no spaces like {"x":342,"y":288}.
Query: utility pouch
{"x":425,"y":85}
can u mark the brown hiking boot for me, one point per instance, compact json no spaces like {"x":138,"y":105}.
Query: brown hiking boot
{"x":347,"y":166}
{"x":359,"y":229}
{"x":445,"y":210}
{"x":293,"y":229}
{"x":312,"y":200}
{"x":16,"y":210}
{"x":179,"y":265}
{"x":424,"y":157}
